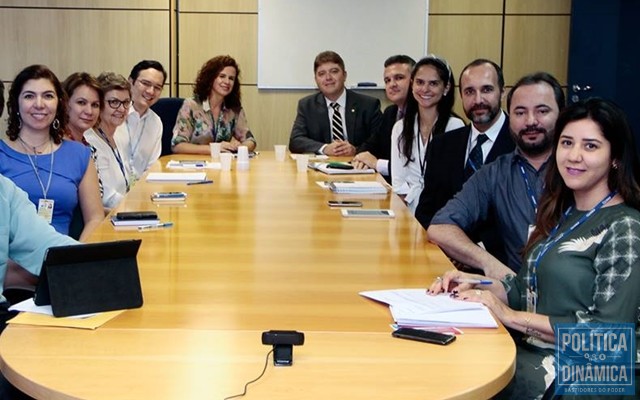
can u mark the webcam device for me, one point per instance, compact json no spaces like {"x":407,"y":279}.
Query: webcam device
{"x":283,"y":342}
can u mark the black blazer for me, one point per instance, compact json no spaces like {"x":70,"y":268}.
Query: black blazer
{"x":445,"y":175}
{"x":379,"y":143}
{"x":311,"y":128}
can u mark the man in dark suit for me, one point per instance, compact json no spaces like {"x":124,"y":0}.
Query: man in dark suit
{"x":336,"y":120}
{"x":451,"y":157}
{"x":376,"y":151}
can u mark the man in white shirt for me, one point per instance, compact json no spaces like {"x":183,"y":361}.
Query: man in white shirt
{"x":140,"y":137}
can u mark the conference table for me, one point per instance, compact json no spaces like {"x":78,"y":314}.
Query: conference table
{"x":258,"y":250}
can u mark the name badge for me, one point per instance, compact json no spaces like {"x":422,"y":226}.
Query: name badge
{"x":532,"y":300}
{"x":45,"y":209}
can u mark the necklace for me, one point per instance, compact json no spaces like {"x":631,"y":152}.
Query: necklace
{"x":29,"y":147}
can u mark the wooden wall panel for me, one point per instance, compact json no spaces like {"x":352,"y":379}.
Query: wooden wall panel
{"x":203,"y":36}
{"x":102,"y":4}
{"x":465,"y":7}
{"x":538,"y":7}
{"x":81,"y":40}
{"x":220,"y":6}
{"x":536,"y":43}
{"x":448,"y":40}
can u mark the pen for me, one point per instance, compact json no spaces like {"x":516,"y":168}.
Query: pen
{"x":200,"y":182}
{"x":474,"y":281}
{"x":157,"y":226}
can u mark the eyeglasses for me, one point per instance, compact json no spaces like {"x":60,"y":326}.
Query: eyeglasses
{"x":115,"y":103}
{"x":148,"y":85}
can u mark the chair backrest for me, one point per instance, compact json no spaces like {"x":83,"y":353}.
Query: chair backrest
{"x":167,"y":109}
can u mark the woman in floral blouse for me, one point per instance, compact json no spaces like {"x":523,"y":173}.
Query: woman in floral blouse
{"x":215,"y":113}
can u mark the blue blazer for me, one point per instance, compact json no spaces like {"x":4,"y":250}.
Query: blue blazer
{"x":311,"y":128}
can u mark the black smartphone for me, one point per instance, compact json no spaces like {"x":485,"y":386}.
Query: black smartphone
{"x":424,"y":336}
{"x":336,"y":203}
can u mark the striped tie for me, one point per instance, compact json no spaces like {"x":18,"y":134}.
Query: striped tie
{"x":337,"y":132}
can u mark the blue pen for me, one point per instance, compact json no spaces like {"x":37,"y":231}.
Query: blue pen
{"x":474,"y":281}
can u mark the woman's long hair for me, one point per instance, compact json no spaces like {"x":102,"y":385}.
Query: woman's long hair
{"x":444,"y":106}
{"x":623,"y":173}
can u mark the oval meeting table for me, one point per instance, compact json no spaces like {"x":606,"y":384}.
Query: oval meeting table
{"x":253,"y":251}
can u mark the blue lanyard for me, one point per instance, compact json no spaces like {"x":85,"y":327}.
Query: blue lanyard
{"x":116,"y":154}
{"x":530,"y":192}
{"x":551,"y":240}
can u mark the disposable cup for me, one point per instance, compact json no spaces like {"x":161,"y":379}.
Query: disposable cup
{"x":225,"y":161}
{"x":302,"y":161}
{"x":281,"y":151}
{"x":215,"y":150}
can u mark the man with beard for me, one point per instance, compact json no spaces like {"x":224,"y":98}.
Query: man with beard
{"x":505,"y":192}
{"x":462,"y":151}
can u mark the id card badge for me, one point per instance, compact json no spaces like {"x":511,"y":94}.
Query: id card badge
{"x":532,"y":300}
{"x":45,"y":209}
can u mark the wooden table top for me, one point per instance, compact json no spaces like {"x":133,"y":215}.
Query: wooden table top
{"x":259,"y":250}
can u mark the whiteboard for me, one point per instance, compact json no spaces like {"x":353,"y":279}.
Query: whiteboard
{"x":364,"y":32}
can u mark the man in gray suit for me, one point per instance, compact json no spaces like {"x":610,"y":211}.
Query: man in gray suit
{"x":336,"y":120}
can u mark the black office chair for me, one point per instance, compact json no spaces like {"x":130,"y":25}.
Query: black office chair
{"x":167,"y":109}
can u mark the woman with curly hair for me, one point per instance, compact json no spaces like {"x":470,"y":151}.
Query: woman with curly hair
{"x":215,"y":113}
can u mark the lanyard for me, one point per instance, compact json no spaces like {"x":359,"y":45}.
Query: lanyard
{"x":553,"y":239}
{"x":530,"y":192}
{"x":423,"y":160}
{"x":34,"y":165}
{"x":116,"y":154}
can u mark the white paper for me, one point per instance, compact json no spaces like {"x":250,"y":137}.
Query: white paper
{"x":28,"y":305}
{"x":176,"y":176}
{"x":190,"y":165}
{"x":414,"y":307}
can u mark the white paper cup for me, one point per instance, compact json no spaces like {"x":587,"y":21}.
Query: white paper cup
{"x":225,"y":161}
{"x":215,"y":150}
{"x":243,"y":154}
{"x":302,"y":161}
{"x":281,"y":151}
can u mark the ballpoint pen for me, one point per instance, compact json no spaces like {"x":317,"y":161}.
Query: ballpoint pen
{"x":473,"y":281}
{"x":156,"y":226}
{"x":200,"y":182}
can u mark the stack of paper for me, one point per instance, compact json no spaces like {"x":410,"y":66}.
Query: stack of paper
{"x":359,"y":187}
{"x":192,"y":164}
{"x":176,"y":176}
{"x":415,"y":308}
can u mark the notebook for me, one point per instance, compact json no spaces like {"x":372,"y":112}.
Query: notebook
{"x":90,"y":278}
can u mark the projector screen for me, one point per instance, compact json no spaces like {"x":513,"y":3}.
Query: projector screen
{"x":364,"y":32}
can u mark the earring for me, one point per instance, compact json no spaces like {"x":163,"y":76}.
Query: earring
{"x":56,"y":124}
{"x":19,"y":120}
{"x":614,"y":165}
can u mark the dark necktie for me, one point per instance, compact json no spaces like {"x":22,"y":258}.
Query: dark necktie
{"x":337,"y":132}
{"x":474,"y":162}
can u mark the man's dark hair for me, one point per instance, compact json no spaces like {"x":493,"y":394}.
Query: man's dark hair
{"x":146,"y":64}
{"x":540,"y":77}
{"x":478,"y":62}
{"x":399,"y":59}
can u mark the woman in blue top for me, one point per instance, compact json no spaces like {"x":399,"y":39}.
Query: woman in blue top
{"x":58,"y":175}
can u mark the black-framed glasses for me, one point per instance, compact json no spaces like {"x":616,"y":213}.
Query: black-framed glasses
{"x":148,"y":85}
{"x":115,"y":103}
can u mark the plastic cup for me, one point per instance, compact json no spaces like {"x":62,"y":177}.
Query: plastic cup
{"x":281,"y":151}
{"x":225,"y":161}
{"x":302,"y":162}
{"x":215,"y":150}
